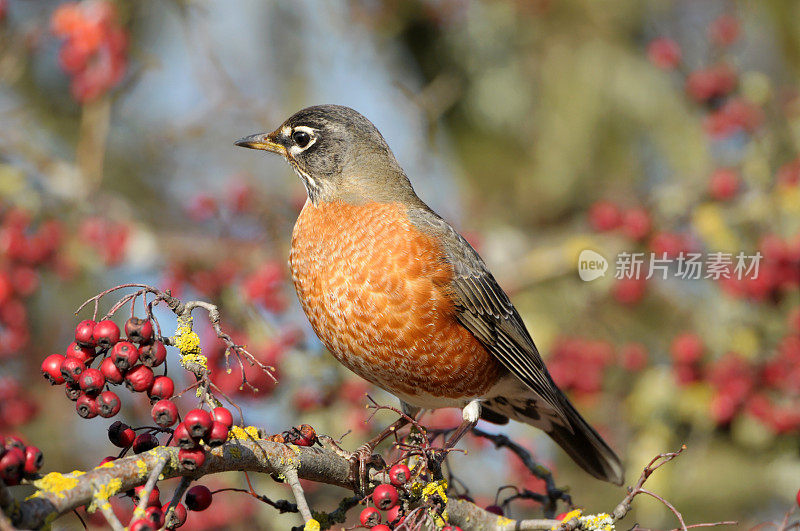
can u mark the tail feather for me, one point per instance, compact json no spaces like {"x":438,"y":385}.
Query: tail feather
{"x":578,"y":439}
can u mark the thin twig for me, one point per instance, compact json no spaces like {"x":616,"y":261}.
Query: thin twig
{"x":299,"y":496}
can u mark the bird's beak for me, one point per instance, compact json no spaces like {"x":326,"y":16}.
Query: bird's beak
{"x":265,"y":141}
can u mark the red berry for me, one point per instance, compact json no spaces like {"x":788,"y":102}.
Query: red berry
{"x":451,"y":528}
{"x":604,"y":216}
{"x":72,"y":391}
{"x":370,"y":516}
{"x":724,"y":31}
{"x":33,"y":459}
{"x":51,"y":369}
{"x":12,"y":441}
{"x":139,"y":379}
{"x":162,"y":388}
{"x":111,"y":373}
{"x":198,"y":498}
{"x":85,"y":354}
{"x":198,"y":422}
{"x":108,"y":459}
{"x":385,"y":497}
{"x":86,"y":406}
{"x":394,"y":515}
{"x":183,"y":438}
{"x":139,"y":330}
{"x":108,"y":403}
{"x":217,"y":435}
{"x":629,"y":291}
{"x":222,"y":415}
{"x":12,"y":465}
{"x":155,"y":515}
{"x":636,"y":223}
{"x":91,"y":381}
{"x":71,"y":368}
{"x":798,"y":497}
{"x":144,"y":442}
{"x":125,"y":355}
{"x":495,"y":509}
{"x":399,"y":474}
{"x":192,"y":459}
{"x":380,"y":527}
{"x":106,"y":333}
{"x":165,"y":413}
{"x":84,"y":333}
{"x":175,"y":518}
{"x":142,"y":524}
{"x":153,"y":354}
{"x":723,"y":184}
{"x":664,"y":53}
{"x":121,"y":435}
{"x":687,"y":349}
{"x":152,"y":500}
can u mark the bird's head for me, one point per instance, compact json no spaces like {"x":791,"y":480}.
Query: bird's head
{"x":337,"y":153}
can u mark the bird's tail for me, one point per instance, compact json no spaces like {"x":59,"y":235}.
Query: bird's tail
{"x":568,"y":428}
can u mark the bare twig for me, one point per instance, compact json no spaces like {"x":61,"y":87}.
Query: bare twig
{"x":299,"y":496}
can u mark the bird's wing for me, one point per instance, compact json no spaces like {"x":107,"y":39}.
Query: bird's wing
{"x":485,"y":310}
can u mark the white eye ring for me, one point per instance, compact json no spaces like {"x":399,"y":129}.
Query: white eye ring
{"x":294,"y":149}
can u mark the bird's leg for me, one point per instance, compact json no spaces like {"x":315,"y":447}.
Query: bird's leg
{"x":471,"y":413}
{"x":363,"y":457}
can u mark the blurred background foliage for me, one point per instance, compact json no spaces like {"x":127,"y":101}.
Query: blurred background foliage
{"x":540,"y":128}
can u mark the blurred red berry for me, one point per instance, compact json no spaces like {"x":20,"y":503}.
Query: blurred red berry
{"x":198,"y":498}
{"x":629,"y":291}
{"x":380,"y":527}
{"x":604,"y":216}
{"x":636,"y":223}
{"x":175,"y":517}
{"x":723,"y":184}
{"x":687,"y":348}
{"x":12,"y":465}
{"x":152,"y":499}
{"x":633,"y":357}
{"x":724,"y":30}
{"x":670,"y":243}
{"x":155,"y":516}
{"x":713,"y":82}
{"x":789,"y":173}
{"x":142,"y":524}
{"x":495,"y":509}
{"x":664,"y":53}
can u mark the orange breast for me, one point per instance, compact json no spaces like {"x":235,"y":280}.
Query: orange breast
{"x":372,"y":287}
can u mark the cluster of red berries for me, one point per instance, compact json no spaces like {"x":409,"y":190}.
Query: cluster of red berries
{"x":129,"y":361}
{"x":107,"y":238}
{"x":198,"y":427}
{"x":17,"y":406}
{"x":93,"y":51}
{"x":18,"y":460}
{"x":778,"y":273}
{"x":238,"y":199}
{"x":386,"y":498}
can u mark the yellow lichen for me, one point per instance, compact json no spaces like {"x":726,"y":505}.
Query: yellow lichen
{"x":187,"y":340}
{"x":311,"y":525}
{"x":576,"y":513}
{"x":597,"y":522}
{"x":104,"y":492}
{"x":437,"y":488}
{"x":248,"y":432}
{"x":108,"y":464}
{"x":141,"y":467}
{"x":57,"y":483}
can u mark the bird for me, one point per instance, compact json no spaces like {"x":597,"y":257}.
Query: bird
{"x":400,"y":298}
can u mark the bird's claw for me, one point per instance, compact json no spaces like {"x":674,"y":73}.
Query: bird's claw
{"x":360,"y":461}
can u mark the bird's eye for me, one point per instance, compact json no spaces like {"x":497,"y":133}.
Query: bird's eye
{"x":301,"y":138}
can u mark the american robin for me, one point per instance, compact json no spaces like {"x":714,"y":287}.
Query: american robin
{"x":400,"y":298}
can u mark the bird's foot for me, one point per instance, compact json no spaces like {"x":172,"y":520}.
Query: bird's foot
{"x":360,"y":462}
